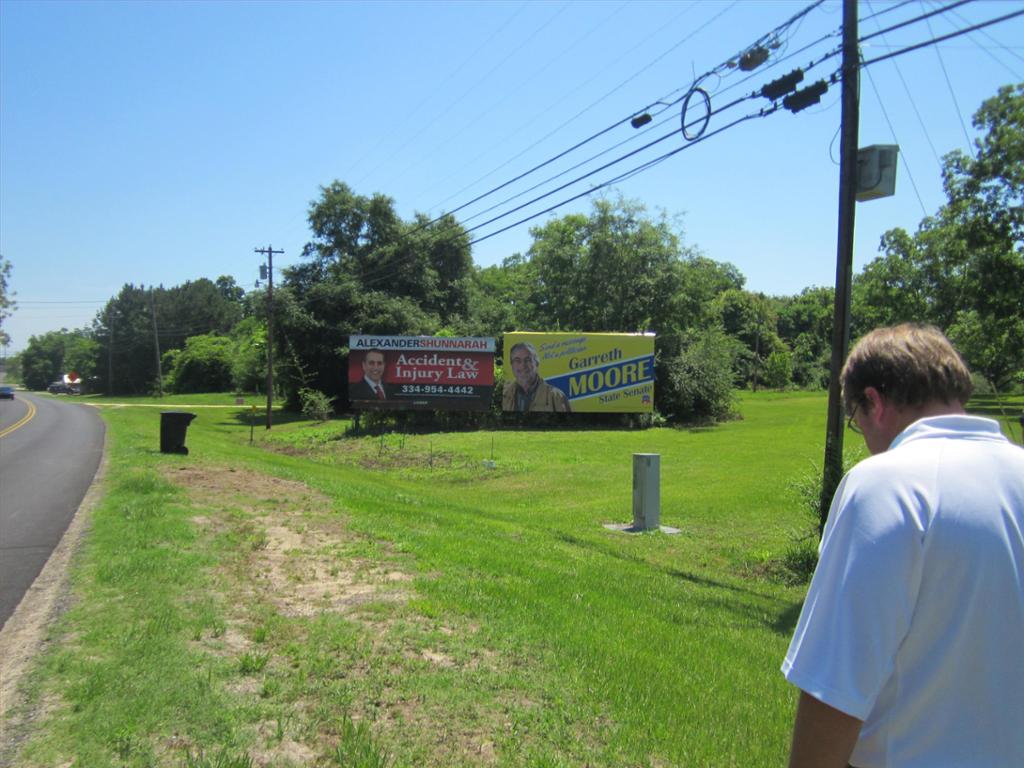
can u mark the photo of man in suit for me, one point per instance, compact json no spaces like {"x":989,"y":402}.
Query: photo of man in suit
{"x":371,"y":386}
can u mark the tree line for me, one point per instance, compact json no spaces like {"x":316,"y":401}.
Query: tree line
{"x":617,"y":268}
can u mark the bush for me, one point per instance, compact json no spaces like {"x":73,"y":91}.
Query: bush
{"x":315,"y":405}
{"x":204,"y":365}
{"x":697,"y":386}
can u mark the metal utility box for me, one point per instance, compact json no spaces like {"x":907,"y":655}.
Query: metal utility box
{"x":646,"y":491}
{"x":876,"y":171}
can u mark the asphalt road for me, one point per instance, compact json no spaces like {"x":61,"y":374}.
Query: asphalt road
{"x":49,"y":452}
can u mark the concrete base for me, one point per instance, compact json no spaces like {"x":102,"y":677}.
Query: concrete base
{"x":630,"y":528}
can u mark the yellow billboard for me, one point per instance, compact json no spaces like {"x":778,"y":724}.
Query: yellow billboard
{"x":578,"y":372}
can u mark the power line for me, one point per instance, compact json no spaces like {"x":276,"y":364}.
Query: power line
{"x":902,"y":155}
{"x":997,"y":44}
{"x":632,"y":172}
{"x":575,"y":117}
{"x":917,"y":112}
{"x":914,"y":20}
{"x":430,"y":96}
{"x":937,"y":40}
{"x":469,"y":90}
{"x":949,"y":85}
{"x":722,"y":66}
{"x":386,"y":270}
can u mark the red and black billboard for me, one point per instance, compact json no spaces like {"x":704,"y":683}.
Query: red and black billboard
{"x":421,"y":372}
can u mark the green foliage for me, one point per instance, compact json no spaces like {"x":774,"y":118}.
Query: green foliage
{"x":750,"y":320}
{"x":204,"y":365}
{"x":126,"y":356}
{"x":805,"y":326}
{"x":962,"y":270}
{"x":367,"y":271}
{"x":48,"y":357}
{"x":614,"y":270}
{"x":778,"y":369}
{"x":315,"y":405}
{"x":249,"y":357}
{"x":697,"y":386}
{"x":358,"y":748}
{"x":7,"y":303}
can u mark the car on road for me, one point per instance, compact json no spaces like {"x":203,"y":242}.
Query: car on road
{"x":6,"y":393}
{"x":60,"y":388}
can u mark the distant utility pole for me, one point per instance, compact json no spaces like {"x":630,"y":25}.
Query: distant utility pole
{"x":833,"y":469}
{"x":156,"y":345}
{"x":269,"y":253}
{"x":110,"y":348}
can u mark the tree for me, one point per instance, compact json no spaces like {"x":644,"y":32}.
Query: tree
{"x":7,"y":303}
{"x":365,"y":271}
{"x":697,"y":385}
{"x":203,"y":365}
{"x":750,"y":319}
{"x":48,"y":357}
{"x":500,"y":297}
{"x":964,"y":267}
{"x":805,"y":326}
{"x":614,"y":270}
{"x":126,"y":356}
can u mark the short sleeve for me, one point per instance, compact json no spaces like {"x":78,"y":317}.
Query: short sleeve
{"x":862,"y":596}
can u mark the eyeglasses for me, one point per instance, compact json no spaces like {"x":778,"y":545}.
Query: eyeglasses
{"x":851,"y":424}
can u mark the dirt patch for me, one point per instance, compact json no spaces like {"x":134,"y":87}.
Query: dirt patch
{"x":296,"y":560}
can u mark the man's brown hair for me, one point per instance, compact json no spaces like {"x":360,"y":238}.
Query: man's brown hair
{"x":911,"y":364}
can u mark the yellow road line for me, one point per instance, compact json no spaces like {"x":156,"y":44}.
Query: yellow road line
{"x":24,"y":420}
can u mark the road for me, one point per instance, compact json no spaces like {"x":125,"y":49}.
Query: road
{"x":49,"y":452}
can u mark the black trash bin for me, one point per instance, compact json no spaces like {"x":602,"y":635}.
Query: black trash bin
{"x":173,"y":426}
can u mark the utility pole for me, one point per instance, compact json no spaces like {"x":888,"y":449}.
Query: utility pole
{"x":833,"y":465}
{"x":110,"y":349}
{"x":156,"y":344}
{"x":269,"y":253}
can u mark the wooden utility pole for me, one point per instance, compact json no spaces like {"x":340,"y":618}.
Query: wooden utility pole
{"x":269,"y":253}
{"x":110,"y":349}
{"x":156,"y":345}
{"x":833,"y":469}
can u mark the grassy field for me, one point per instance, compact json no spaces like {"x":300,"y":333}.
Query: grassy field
{"x":313,"y":599}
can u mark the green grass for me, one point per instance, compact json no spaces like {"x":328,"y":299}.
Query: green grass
{"x":319,"y":600}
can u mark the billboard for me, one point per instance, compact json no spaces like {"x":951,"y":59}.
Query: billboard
{"x":579,"y":372}
{"x":421,"y":372}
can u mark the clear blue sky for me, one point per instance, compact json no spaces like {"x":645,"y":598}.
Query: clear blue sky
{"x":158,"y":142}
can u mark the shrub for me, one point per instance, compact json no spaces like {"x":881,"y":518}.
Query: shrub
{"x":315,"y":404}
{"x":697,"y":386}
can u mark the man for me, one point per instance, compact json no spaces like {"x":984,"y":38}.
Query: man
{"x":371,"y":386}
{"x":529,"y":392}
{"x":909,"y":650}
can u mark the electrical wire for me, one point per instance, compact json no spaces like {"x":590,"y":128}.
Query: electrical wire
{"x":890,"y":9}
{"x":634,"y":137}
{"x":475,"y":85}
{"x":902,"y":155}
{"x":1016,"y":75}
{"x":430,"y":96}
{"x":937,"y":40}
{"x":949,"y":85}
{"x":575,"y":117}
{"x":917,"y":112}
{"x":914,"y":20}
{"x":386,"y":270}
{"x":650,"y":164}
{"x":724,"y":65}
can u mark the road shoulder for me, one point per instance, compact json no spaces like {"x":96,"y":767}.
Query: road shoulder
{"x":25,"y":634}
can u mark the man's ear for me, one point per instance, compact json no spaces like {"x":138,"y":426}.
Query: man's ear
{"x":877,"y":405}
